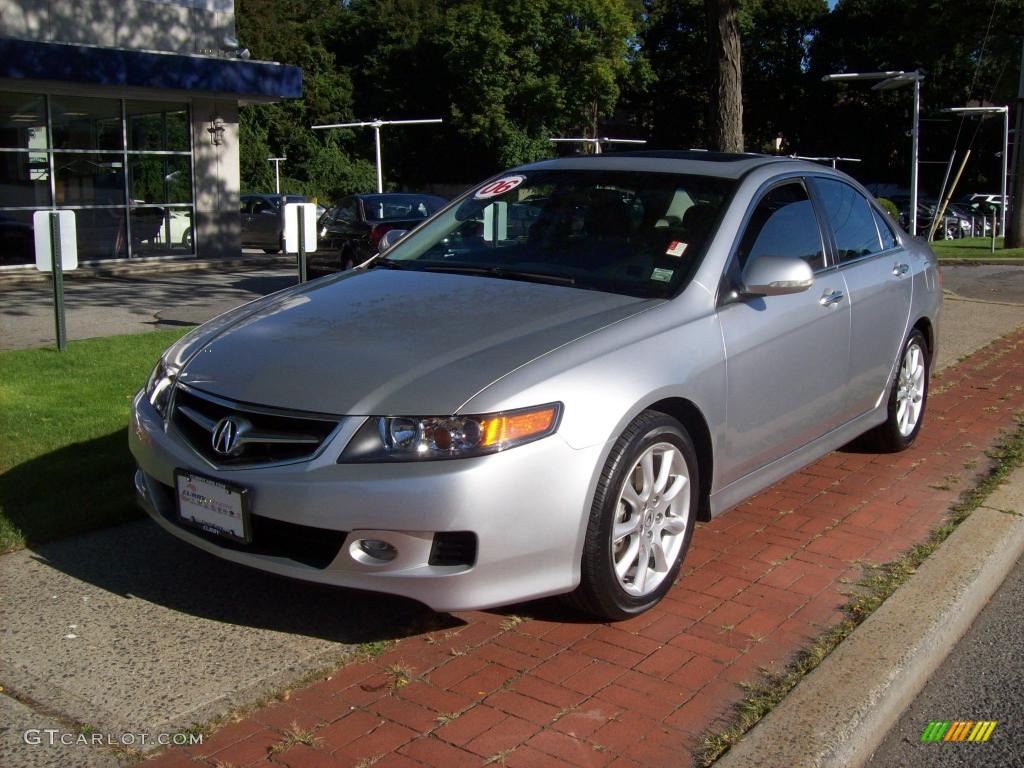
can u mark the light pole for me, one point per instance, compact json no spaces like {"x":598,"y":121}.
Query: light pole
{"x":892,"y":80}
{"x":832,"y":160}
{"x":376,"y":125}
{"x":1005,"y":112}
{"x":598,"y":142}
{"x":277,"y":172}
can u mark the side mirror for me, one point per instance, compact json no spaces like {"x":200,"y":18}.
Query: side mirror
{"x":391,"y":237}
{"x":776,"y":276}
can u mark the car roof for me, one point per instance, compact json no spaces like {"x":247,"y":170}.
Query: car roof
{"x":692,"y":161}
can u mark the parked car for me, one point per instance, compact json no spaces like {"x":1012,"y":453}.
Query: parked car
{"x":490,"y":413}
{"x":263,"y":220}
{"x":351,"y":231}
{"x":955,"y":223}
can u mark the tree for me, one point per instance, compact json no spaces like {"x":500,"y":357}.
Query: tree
{"x":725,"y":116}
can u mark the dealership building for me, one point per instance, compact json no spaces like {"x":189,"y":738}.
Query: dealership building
{"x":127,"y":114}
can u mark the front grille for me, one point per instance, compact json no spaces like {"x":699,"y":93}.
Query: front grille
{"x":305,"y":544}
{"x":264,"y":435}
{"x":453,"y":548}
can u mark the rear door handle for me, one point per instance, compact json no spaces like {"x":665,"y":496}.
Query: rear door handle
{"x":830,"y":298}
{"x":900,"y":269}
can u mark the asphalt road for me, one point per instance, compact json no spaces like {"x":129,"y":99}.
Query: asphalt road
{"x":986,"y":282}
{"x":982,"y":679}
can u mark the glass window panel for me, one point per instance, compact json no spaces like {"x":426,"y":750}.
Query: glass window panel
{"x":22,"y":121}
{"x":783,"y":224}
{"x":888,"y":236}
{"x":24,"y":179}
{"x":161,"y":231}
{"x":160,"y":179}
{"x":80,"y":123}
{"x":101,"y":234}
{"x":850,"y":216}
{"x":93,"y":179}
{"x":156,"y":125}
{"x":17,"y":238}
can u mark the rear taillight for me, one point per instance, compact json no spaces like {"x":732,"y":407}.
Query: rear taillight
{"x":377,"y":232}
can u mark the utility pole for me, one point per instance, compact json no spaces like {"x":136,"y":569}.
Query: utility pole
{"x":1015,"y":228}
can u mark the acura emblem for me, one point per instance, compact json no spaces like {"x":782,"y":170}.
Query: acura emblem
{"x":225,"y":436}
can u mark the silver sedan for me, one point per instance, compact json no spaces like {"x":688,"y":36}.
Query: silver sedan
{"x":542,"y":388}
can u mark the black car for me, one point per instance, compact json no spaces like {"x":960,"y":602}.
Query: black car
{"x":350,"y":232}
{"x":263,"y":220}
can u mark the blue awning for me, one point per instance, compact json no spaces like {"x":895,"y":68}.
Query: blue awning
{"x":90,"y":65}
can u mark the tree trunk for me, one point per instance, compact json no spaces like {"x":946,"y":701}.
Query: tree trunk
{"x":725,"y":118}
{"x":1015,"y":213}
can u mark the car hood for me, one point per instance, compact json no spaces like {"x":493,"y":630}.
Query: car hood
{"x":389,"y":342}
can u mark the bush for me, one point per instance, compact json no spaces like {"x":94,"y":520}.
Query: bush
{"x":889,"y":206}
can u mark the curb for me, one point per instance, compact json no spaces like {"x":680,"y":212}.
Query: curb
{"x":839,"y":714}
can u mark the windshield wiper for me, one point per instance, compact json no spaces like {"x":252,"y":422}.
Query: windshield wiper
{"x":392,"y":263}
{"x":501,"y":273}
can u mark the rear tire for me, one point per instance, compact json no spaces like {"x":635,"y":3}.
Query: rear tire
{"x":641,"y":519}
{"x":907,"y":399}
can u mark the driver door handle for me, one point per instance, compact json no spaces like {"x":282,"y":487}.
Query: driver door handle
{"x":830,"y":298}
{"x":899,"y":269}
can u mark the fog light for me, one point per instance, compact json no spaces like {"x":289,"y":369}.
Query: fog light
{"x":378,"y":550}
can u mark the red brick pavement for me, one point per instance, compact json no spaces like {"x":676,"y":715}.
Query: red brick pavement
{"x":758,"y":582}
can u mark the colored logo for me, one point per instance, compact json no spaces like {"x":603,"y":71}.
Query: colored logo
{"x":958,"y":730}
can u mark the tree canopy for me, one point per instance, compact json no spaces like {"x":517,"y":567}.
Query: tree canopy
{"x":506,"y":76}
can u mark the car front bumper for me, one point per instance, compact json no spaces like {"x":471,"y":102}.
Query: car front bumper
{"x":527,"y":510}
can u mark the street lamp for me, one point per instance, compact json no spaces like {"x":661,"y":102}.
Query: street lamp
{"x":376,"y":125}
{"x":892,"y":80}
{"x":277,"y":172}
{"x":1005,"y":112}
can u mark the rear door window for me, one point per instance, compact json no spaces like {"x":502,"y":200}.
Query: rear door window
{"x":851,"y":219}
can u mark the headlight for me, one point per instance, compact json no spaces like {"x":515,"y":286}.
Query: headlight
{"x":159,"y":386}
{"x":424,"y":438}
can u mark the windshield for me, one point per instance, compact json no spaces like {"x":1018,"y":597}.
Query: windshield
{"x":639,"y":234}
{"x":381,"y":207}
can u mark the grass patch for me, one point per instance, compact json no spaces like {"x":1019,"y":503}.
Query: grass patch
{"x":975,"y":248}
{"x":64,"y":464}
{"x":877,"y":584}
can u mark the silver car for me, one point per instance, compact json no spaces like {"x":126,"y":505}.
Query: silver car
{"x":542,"y":388}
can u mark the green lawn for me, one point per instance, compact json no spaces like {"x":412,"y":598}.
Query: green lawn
{"x":974,"y":248}
{"x":64,"y":461}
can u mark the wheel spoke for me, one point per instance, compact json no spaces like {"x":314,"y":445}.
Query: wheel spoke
{"x":647,"y":467}
{"x":660,"y":562}
{"x":677,"y":485}
{"x":674,"y":525}
{"x":625,"y":527}
{"x":631,"y":497}
{"x":642,"y":567}
{"x":624,"y":563}
{"x":664,"y":471}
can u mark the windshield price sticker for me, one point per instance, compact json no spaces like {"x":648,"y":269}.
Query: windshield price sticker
{"x":676,"y":248}
{"x":499,"y":187}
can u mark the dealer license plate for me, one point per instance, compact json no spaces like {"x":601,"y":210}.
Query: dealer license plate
{"x":213,"y":506}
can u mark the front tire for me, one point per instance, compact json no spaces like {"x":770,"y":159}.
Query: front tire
{"x":907,"y":400}
{"x":641,"y":520}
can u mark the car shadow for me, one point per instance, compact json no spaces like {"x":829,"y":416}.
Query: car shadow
{"x":80,"y":487}
{"x":141,"y":561}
